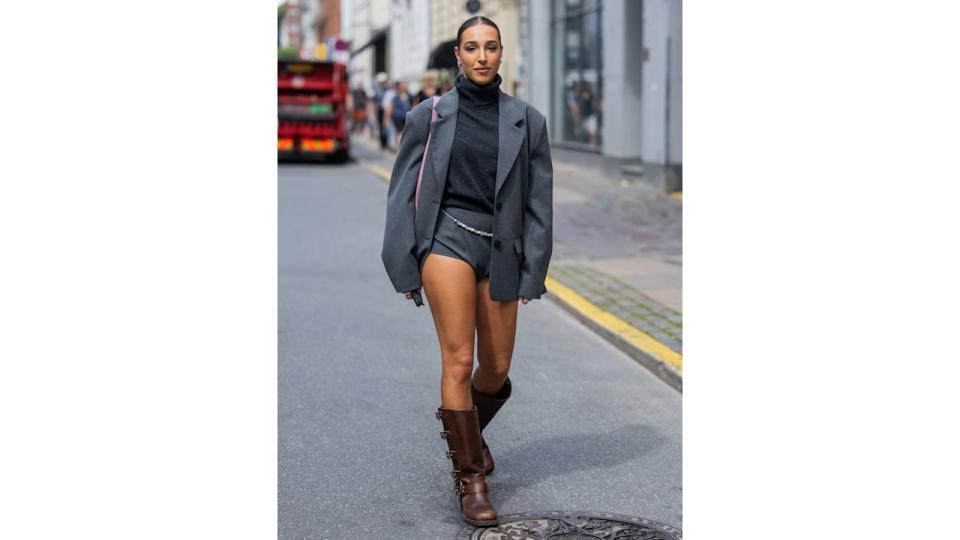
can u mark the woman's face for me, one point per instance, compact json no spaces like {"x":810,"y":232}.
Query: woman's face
{"x":479,"y":53}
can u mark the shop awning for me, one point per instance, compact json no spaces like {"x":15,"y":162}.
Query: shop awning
{"x":377,"y":35}
{"x":442,"y":56}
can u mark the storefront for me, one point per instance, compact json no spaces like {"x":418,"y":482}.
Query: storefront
{"x":577,"y":78}
{"x":607,"y":74}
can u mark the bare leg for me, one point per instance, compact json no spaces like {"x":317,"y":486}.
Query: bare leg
{"x":496,"y":331}
{"x":451,"y":290}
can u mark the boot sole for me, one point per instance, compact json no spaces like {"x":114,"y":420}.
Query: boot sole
{"x":486,"y":523}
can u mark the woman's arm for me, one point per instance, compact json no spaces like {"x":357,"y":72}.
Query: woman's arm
{"x":399,"y":237}
{"x":538,"y":218}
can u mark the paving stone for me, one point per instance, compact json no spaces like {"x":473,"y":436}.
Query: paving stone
{"x":624,"y":301}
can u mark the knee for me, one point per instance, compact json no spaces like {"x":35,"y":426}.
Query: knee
{"x":496,"y":363}
{"x":499,"y":368}
{"x":458,"y":366}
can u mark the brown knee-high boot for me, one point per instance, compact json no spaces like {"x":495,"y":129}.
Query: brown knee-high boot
{"x":462,"y":432}
{"x":487,"y":407}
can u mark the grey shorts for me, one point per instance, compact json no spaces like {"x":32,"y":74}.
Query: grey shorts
{"x":454,"y":241}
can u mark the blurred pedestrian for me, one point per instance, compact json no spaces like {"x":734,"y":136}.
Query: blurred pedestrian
{"x":378,"y":94}
{"x":428,"y":90}
{"x":572,"y":120}
{"x":588,"y":115}
{"x":476,"y":235}
{"x":399,"y":107}
{"x":387,"y":104}
{"x":359,"y":109}
{"x":446,"y":86}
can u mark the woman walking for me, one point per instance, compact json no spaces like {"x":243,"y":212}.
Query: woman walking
{"x":475,"y":233}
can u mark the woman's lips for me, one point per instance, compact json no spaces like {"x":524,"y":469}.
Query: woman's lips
{"x":482,"y":70}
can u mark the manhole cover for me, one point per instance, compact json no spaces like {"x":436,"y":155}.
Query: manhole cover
{"x":571,"y":526}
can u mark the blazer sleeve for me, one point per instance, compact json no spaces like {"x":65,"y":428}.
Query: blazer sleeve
{"x":399,"y":252}
{"x":537,"y":236}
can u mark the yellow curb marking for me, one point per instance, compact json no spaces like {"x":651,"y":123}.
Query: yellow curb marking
{"x":636,"y":337}
{"x":381,"y":172}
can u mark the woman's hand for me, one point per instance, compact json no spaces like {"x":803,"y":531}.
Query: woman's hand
{"x":523,"y":300}
{"x":409,"y":294}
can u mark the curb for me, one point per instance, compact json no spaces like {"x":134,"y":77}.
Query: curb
{"x":664,"y":362}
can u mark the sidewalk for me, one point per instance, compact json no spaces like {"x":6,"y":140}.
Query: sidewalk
{"x":617,"y":258}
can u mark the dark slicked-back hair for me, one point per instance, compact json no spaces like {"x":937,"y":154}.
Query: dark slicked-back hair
{"x":474,"y":21}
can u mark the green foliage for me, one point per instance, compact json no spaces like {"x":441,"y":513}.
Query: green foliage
{"x":288,"y":52}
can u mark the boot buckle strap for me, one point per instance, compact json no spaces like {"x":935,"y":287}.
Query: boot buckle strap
{"x":450,"y":453}
{"x":443,"y":434}
{"x":465,"y":488}
{"x":438,"y":415}
{"x":454,"y":474}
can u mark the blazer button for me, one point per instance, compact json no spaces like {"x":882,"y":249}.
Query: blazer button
{"x":496,"y":244}
{"x":499,"y":206}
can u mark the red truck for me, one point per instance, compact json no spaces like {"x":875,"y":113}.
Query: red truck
{"x":312,"y":110}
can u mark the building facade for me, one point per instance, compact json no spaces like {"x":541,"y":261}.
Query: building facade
{"x":409,"y":41}
{"x":367,"y":25}
{"x":607,"y":74}
{"x":309,"y":26}
{"x":398,"y":37}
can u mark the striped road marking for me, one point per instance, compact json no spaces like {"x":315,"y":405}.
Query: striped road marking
{"x":381,"y":172}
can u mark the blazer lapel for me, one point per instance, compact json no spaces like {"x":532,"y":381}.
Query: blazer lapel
{"x":510,"y":137}
{"x":442,"y":139}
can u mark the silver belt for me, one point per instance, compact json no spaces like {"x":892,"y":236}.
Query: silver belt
{"x":467,"y":227}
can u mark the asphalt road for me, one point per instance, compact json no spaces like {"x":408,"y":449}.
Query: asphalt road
{"x":359,"y":449}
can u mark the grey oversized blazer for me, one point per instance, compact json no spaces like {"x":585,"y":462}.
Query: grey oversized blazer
{"x":523,"y":216}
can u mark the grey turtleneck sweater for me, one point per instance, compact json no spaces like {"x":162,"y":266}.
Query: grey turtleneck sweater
{"x":471,"y":175}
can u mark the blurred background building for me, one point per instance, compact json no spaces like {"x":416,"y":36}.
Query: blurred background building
{"x":607,"y":74}
{"x":366,"y":25}
{"x":308,"y":28}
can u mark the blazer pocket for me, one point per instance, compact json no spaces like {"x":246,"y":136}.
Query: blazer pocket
{"x":518,"y":246}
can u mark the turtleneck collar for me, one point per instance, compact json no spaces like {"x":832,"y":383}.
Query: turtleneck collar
{"x":487,"y":94}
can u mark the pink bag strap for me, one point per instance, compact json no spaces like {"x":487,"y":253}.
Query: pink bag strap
{"x":433,"y":117}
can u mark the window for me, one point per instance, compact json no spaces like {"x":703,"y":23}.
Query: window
{"x":577,"y":99}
